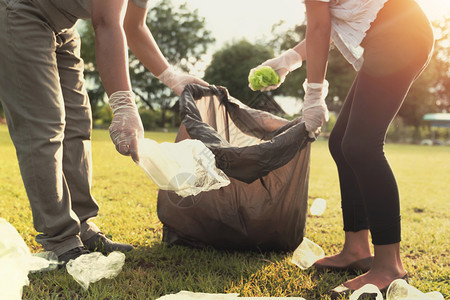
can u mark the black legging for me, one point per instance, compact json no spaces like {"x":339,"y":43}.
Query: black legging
{"x":396,"y":49}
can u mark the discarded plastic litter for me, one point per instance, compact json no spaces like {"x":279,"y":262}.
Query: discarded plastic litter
{"x":186,"y":167}
{"x":318,"y":207}
{"x":191,"y":295}
{"x":306,"y":254}
{"x":16,"y":262}
{"x":400,"y":290}
{"x":367,"y":289}
{"x":94,"y":266}
{"x":186,"y":295}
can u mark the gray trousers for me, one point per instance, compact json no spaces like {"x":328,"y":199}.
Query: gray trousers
{"x":49,"y":120}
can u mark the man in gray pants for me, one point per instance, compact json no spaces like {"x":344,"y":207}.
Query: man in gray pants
{"x":48,"y":111}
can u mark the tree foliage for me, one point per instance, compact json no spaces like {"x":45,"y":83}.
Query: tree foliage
{"x":230,"y":67}
{"x":182,"y":38}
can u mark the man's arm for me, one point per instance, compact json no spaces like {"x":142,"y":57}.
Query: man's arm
{"x":111,"y":52}
{"x":110,"y":44}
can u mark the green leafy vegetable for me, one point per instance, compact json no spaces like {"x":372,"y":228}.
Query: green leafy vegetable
{"x":263,"y":77}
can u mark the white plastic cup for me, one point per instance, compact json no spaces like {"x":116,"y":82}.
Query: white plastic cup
{"x":399,"y":289}
{"x":306,"y":254}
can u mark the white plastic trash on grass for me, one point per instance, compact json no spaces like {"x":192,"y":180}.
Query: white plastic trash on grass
{"x":92,"y":267}
{"x":367,"y":289}
{"x":16,"y":262}
{"x":399,"y":289}
{"x":187,"y":167}
{"x":186,"y":295}
{"x":306,"y":254}
{"x":203,"y":296}
{"x":318,"y":207}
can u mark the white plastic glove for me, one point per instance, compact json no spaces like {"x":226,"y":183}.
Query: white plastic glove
{"x":315,"y":111}
{"x":287,"y":62}
{"x":126,"y":126}
{"x":177,"y":81}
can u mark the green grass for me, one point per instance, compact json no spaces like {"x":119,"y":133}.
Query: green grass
{"x":128,"y":213}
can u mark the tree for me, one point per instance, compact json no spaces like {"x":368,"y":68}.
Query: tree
{"x":181,"y":36}
{"x":230,"y":67}
{"x":94,"y":85}
{"x":183,"y":39}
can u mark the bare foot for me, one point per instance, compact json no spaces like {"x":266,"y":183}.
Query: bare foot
{"x":381,"y":279}
{"x":344,"y":259}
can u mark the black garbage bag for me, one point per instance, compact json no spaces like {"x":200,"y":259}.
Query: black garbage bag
{"x":267,"y":161}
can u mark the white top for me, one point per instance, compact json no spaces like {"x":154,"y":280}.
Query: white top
{"x":350,"y":20}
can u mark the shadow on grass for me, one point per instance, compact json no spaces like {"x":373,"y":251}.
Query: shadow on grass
{"x":153,"y":271}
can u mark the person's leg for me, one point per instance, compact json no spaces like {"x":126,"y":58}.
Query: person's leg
{"x":77,"y":159}
{"x":356,"y":246}
{"x":33,"y":104}
{"x":382,"y":86}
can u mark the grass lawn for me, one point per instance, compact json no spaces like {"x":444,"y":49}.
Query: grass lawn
{"x":127,"y":201}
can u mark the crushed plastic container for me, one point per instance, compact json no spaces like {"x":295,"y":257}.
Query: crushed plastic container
{"x":400,"y":290}
{"x":367,"y":289}
{"x":306,"y":254}
{"x":92,"y":267}
{"x":318,"y":207}
{"x":186,"y":167}
{"x":16,"y":262}
{"x":186,"y":295}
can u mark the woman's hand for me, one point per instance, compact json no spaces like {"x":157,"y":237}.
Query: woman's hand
{"x":287,"y":62}
{"x":315,"y":111}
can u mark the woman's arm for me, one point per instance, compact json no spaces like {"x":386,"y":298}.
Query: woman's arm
{"x":141,"y":41}
{"x":110,"y":44}
{"x":318,"y":29}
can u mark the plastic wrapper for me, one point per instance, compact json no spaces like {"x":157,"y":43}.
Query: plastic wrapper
{"x":318,"y":207}
{"x":306,"y":254}
{"x":400,"y":290}
{"x":16,"y":262}
{"x":92,"y":267}
{"x":187,"y":167}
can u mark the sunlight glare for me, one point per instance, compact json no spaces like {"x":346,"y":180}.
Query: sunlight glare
{"x":435,"y":9}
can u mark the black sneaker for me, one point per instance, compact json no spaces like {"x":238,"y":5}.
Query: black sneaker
{"x":71,"y":254}
{"x":99,"y":242}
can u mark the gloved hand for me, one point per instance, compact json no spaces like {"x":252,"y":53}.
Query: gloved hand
{"x":315,"y":111}
{"x":287,"y":62}
{"x":126,"y":126}
{"x":177,"y":81}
